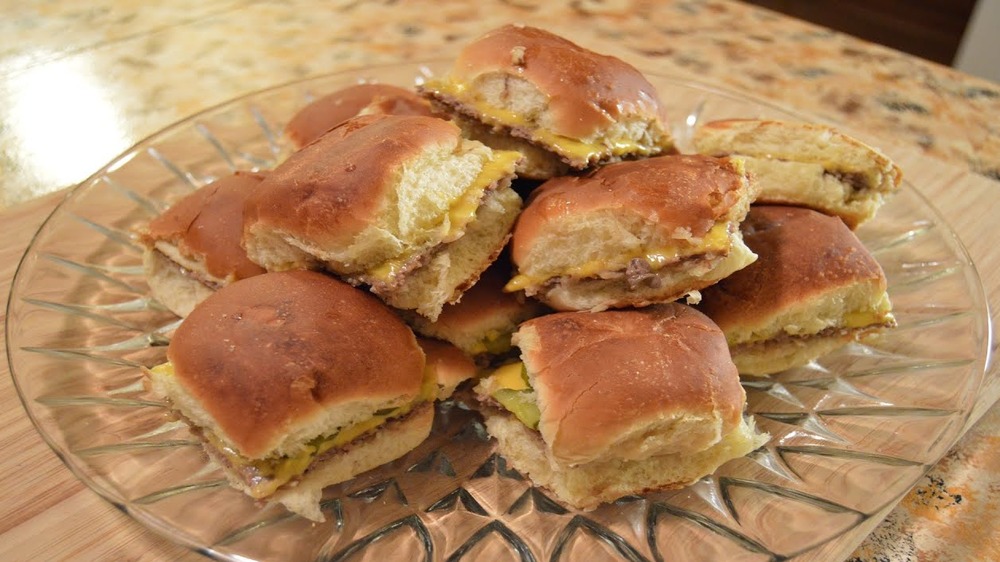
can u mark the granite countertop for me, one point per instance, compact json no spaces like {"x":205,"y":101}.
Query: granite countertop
{"x":82,"y":83}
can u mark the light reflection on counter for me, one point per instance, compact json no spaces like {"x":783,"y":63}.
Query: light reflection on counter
{"x":59,"y":126}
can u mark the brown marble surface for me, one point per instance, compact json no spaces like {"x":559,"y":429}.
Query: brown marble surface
{"x":81,"y":83}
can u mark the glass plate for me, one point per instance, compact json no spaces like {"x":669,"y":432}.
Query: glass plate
{"x":851,"y":432}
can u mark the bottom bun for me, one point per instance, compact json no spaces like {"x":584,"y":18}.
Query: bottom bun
{"x":773,"y":356}
{"x":586,"y":486}
{"x":171,"y":286}
{"x":386,"y":444}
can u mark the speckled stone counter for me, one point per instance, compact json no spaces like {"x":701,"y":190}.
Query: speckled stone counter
{"x":81,"y":83}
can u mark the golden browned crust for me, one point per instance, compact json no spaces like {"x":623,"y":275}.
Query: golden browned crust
{"x":686,"y":192}
{"x":329,"y":191}
{"x":575,"y":95}
{"x":207,"y":225}
{"x":803,"y":255}
{"x":266,"y":352}
{"x":602,"y":375}
{"x":334,"y":108}
{"x":587,"y":91}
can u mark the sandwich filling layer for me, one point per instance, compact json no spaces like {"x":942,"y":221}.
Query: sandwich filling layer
{"x":494,"y":175}
{"x":263,"y":476}
{"x":716,"y":242}
{"x":577,"y":152}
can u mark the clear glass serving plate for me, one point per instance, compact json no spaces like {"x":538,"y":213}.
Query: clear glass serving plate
{"x":851,"y":433}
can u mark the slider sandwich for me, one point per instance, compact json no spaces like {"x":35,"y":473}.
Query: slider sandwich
{"x":296,"y":381}
{"x":563,"y":106}
{"x":806,"y":164}
{"x":813,"y":288}
{"x":615,"y":403}
{"x":193,"y":248}
{"x":633,"y":233}
{"x":402,"y":204}
{"x":482,"y":323}
{"x":326,"y":112}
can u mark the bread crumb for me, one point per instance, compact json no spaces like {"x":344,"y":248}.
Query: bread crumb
{"x":517,"y":56}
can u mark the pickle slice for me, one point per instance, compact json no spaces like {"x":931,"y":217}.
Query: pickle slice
{"x":521,"y":403}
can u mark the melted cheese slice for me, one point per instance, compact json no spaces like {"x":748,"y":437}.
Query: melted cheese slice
{"x":462,"y":211}
{"x":715,"y":240}
{"x":881,"y":314}
{"x":578,"y":150}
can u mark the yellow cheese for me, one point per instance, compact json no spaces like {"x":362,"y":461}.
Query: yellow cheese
{"x":511,"y":376}
{"x":495,"y":342}
{"x":462,"y":211}
{"x":861,"y":318}
{"x":715,"y":240}
{"x":512,"y":391}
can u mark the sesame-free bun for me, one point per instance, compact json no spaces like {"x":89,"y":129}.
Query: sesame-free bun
{"x":582,"y":108}
{"x":402,"y":204}
{"x":194,"y":247}
{"x":630,"y":401}
{"x":332,"y":109}
{"x":632,"y":233}
{"x":267,"y":367}
{"x":813,"y":288}
{"x":806,"y":164}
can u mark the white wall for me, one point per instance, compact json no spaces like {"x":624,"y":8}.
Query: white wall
{"x":979,"y":52}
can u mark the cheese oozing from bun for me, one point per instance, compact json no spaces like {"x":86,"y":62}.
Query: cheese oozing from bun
{"x":614,"y":403}
{"x":565,"y":107}
{"x":813,"y":288}
{"x":296,"y":381}
{"x":632,"y":233}
{"x":401,"y":204}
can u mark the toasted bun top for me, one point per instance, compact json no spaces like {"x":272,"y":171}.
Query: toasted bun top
{"x":803,"y":255}
{"x":333,"y":109}
{"x":678,"y":196}
{"x":331,"y":189}
{"x":269,"y":354}
{"x":586,"y":91}
{"x":206,"y":226}
{"x":630,"y":383}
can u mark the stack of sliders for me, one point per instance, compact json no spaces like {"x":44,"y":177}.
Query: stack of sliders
{"x":401,"y":204}
{"x":299,"y":379}
{"x":813,"y":288}
{"x":566,"y":108}
{"x":194,"y":247}
{"x":615,"y":403}
{"x":295,"y":381}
